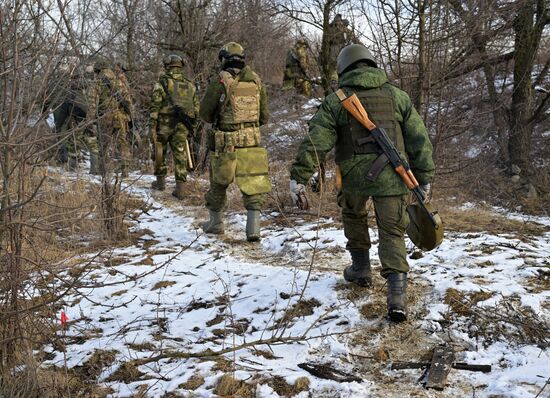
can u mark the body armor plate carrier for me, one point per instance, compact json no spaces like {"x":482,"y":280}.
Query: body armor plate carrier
{"x":353,"y":138}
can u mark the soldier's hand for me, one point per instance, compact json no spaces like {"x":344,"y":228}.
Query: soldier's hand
{"x":297,"y":194}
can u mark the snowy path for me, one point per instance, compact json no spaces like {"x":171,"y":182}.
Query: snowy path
{"x":198,"y":292}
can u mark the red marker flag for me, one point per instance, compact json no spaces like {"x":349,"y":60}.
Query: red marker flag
{"x":64,"y":318}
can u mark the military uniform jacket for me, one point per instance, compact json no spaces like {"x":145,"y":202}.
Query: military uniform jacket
{"x":332,"y":126}
{"x":215,"y":96}
{"x":162,"y":107}
{"x":111,"y":99}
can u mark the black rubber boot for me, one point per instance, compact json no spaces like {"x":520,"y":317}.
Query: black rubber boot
{"x":397,"y":297}
{"x":159,"y":184}
{"x":215,"y":224}
{"x":359,"y":271}
{"x":253,"y":225}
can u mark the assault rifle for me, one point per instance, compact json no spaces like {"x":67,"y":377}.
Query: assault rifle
{"x":400,"y":165}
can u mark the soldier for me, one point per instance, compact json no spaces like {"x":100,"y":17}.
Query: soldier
{"x":339,"y":36}
{"x":110,"y":106}
{"x":174,"y":112}
{"x":71,"y":109}
{"x":390,"y":108}
{"x":297,"y":69}
{"x":236,"y":104}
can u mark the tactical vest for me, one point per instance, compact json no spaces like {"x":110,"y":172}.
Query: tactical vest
{"x":181,"y":94}
{"x":242,"y":100}
{"x":379,"y":104}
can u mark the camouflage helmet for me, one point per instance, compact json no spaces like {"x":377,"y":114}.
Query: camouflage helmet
{"x":351,"y":54}
{"x":421,"y":230}
{"x":231,"y":50}
{"x":173,"y":61}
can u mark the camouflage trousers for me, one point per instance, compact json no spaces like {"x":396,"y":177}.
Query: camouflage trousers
{"x":216,"y":198}
{"x":392,"y":221}
{"x":114,"y":149}
{"x":175,"y":138}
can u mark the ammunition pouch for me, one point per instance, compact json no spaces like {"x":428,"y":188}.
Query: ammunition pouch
{"x":227,"y":141}
{"x":252,"y":174}
{"x":248,"y":167}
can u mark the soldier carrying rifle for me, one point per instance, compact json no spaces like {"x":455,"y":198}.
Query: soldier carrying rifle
{"x":173,"y":117}
{"x":365,"y":173}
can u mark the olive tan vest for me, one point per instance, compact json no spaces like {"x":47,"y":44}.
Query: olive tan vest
{"x":242,"y":100}
{"x":179,"y":93}
{"x":379,"y":104}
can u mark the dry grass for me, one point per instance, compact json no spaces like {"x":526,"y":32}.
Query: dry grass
{"x":228,"y":386}
{"x":462,"y":303}
{"x":161,"y":284}
{"x":192,"y":383}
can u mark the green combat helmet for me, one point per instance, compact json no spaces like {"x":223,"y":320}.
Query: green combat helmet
{"x":351,"y":54}
{"x":173,"y":61}
{"x":231,"y":50}
{"x":421,"y":230}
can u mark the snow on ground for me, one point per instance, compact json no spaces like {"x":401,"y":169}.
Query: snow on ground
{"x":179,"y":291}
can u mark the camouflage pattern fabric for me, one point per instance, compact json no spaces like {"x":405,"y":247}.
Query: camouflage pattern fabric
{"x":296,"y":73}
{"x":392,"y":221}
{"x":223,"y":163}
{"x":332,"y":119}
{"x":166,"y":127}
{"x":388,"y":191}
{"x":111,"y":108}
{"x":339,"y":35}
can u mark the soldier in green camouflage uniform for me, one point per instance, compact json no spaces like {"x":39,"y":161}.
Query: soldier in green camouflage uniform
{"x":362,"y":177}
{"x":339,"y":35}
{"x":297,"y":69}
{"x":110,"y":107}
{"x":174,"y":112}
{"x":235,"y":103}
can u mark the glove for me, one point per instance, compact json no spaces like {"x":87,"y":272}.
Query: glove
{"x":426,"y":189}
{"x":296,"y":190}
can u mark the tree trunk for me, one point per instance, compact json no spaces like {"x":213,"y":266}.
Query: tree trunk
{"x":527,"y":38}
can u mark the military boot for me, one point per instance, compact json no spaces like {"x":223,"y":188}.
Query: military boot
{"x":397,"y":297}
{"x":178,"y":191}
{"x":359,"y":271}
{"x":159,"y":184}
{"x":94,"y":164}
{"x":215,"y":224}
{"x":253,"y":225}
